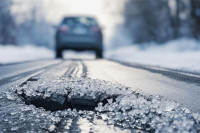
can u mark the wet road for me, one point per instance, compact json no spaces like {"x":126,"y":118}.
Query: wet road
{"x":96,"y":96}
{"x":12,"y":72}
{"x":178,"y":86}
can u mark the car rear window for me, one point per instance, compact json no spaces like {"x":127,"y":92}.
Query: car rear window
{"x":79,"y":21}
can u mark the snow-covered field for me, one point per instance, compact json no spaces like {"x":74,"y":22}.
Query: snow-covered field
{"x":182,"y":54}
{"x":13,"y":54}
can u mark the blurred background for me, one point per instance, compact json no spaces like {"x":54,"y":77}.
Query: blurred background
{"x":153,"y":32}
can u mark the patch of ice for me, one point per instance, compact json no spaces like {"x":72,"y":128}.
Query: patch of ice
{"x":122,"y":108}
{"x":52,"y":128}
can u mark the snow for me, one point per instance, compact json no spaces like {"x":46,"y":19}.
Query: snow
{"x":181,"y":54}
{"x":13,"y":54}
{"x":124,"y":109}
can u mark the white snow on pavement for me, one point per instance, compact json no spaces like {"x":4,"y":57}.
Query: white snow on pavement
{"x":182,"y":54}
{"x":13,"y":54}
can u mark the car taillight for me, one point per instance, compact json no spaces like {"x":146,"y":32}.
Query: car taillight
{"x":63,"y":28}
{"x":95,"y":29}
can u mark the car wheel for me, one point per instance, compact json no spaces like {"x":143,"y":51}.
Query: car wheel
{"x":99,"y":54}
{"x":59,"y":54}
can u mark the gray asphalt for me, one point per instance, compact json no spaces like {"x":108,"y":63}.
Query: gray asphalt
{"x":178,"y":86}
{"x":66,"y":96}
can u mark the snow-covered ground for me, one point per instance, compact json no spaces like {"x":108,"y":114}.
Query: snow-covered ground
{"x":13,"y":54}
{"x":182,"y":54}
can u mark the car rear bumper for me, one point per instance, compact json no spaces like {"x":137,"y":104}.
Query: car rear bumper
{"x":81,"y":42}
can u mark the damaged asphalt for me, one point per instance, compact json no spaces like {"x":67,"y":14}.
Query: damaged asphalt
{"x":63,"y":99}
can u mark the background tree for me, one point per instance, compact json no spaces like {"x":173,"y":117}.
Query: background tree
{"x":195,"y":14}
{"x":162,"y":20}
{"x":7,"y":23}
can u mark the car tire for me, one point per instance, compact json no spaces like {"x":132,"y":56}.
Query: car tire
{"x":99,"y":54}
{"x":59,"y":54}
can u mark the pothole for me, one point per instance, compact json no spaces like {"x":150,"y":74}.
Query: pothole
{"x":67,"y":97}
{"x":53,"y":103}
{"x":112,"y":103}
{"x":63,"y":102}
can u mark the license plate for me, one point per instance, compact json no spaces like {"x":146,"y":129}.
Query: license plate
{"x":80,"y":31}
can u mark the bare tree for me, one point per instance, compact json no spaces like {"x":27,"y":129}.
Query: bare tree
{"x":195,"y":14}
{"x":162,"y":20}
{"x":34,"y":29}
{"x":7,"y":24}
{"x":147,"y":21}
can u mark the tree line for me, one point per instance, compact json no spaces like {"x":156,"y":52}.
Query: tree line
{"x":7,"y":23}
{"x":162,"y":20}
{"x":24,"y":27}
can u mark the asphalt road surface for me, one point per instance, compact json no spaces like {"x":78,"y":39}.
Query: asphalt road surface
{"x":181,"y":87}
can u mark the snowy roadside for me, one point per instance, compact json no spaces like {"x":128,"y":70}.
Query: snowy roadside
{"x":13,"y":54}
{"x":182,"y":54}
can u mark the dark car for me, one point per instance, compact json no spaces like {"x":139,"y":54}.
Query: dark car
{"x":79,"y":33}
